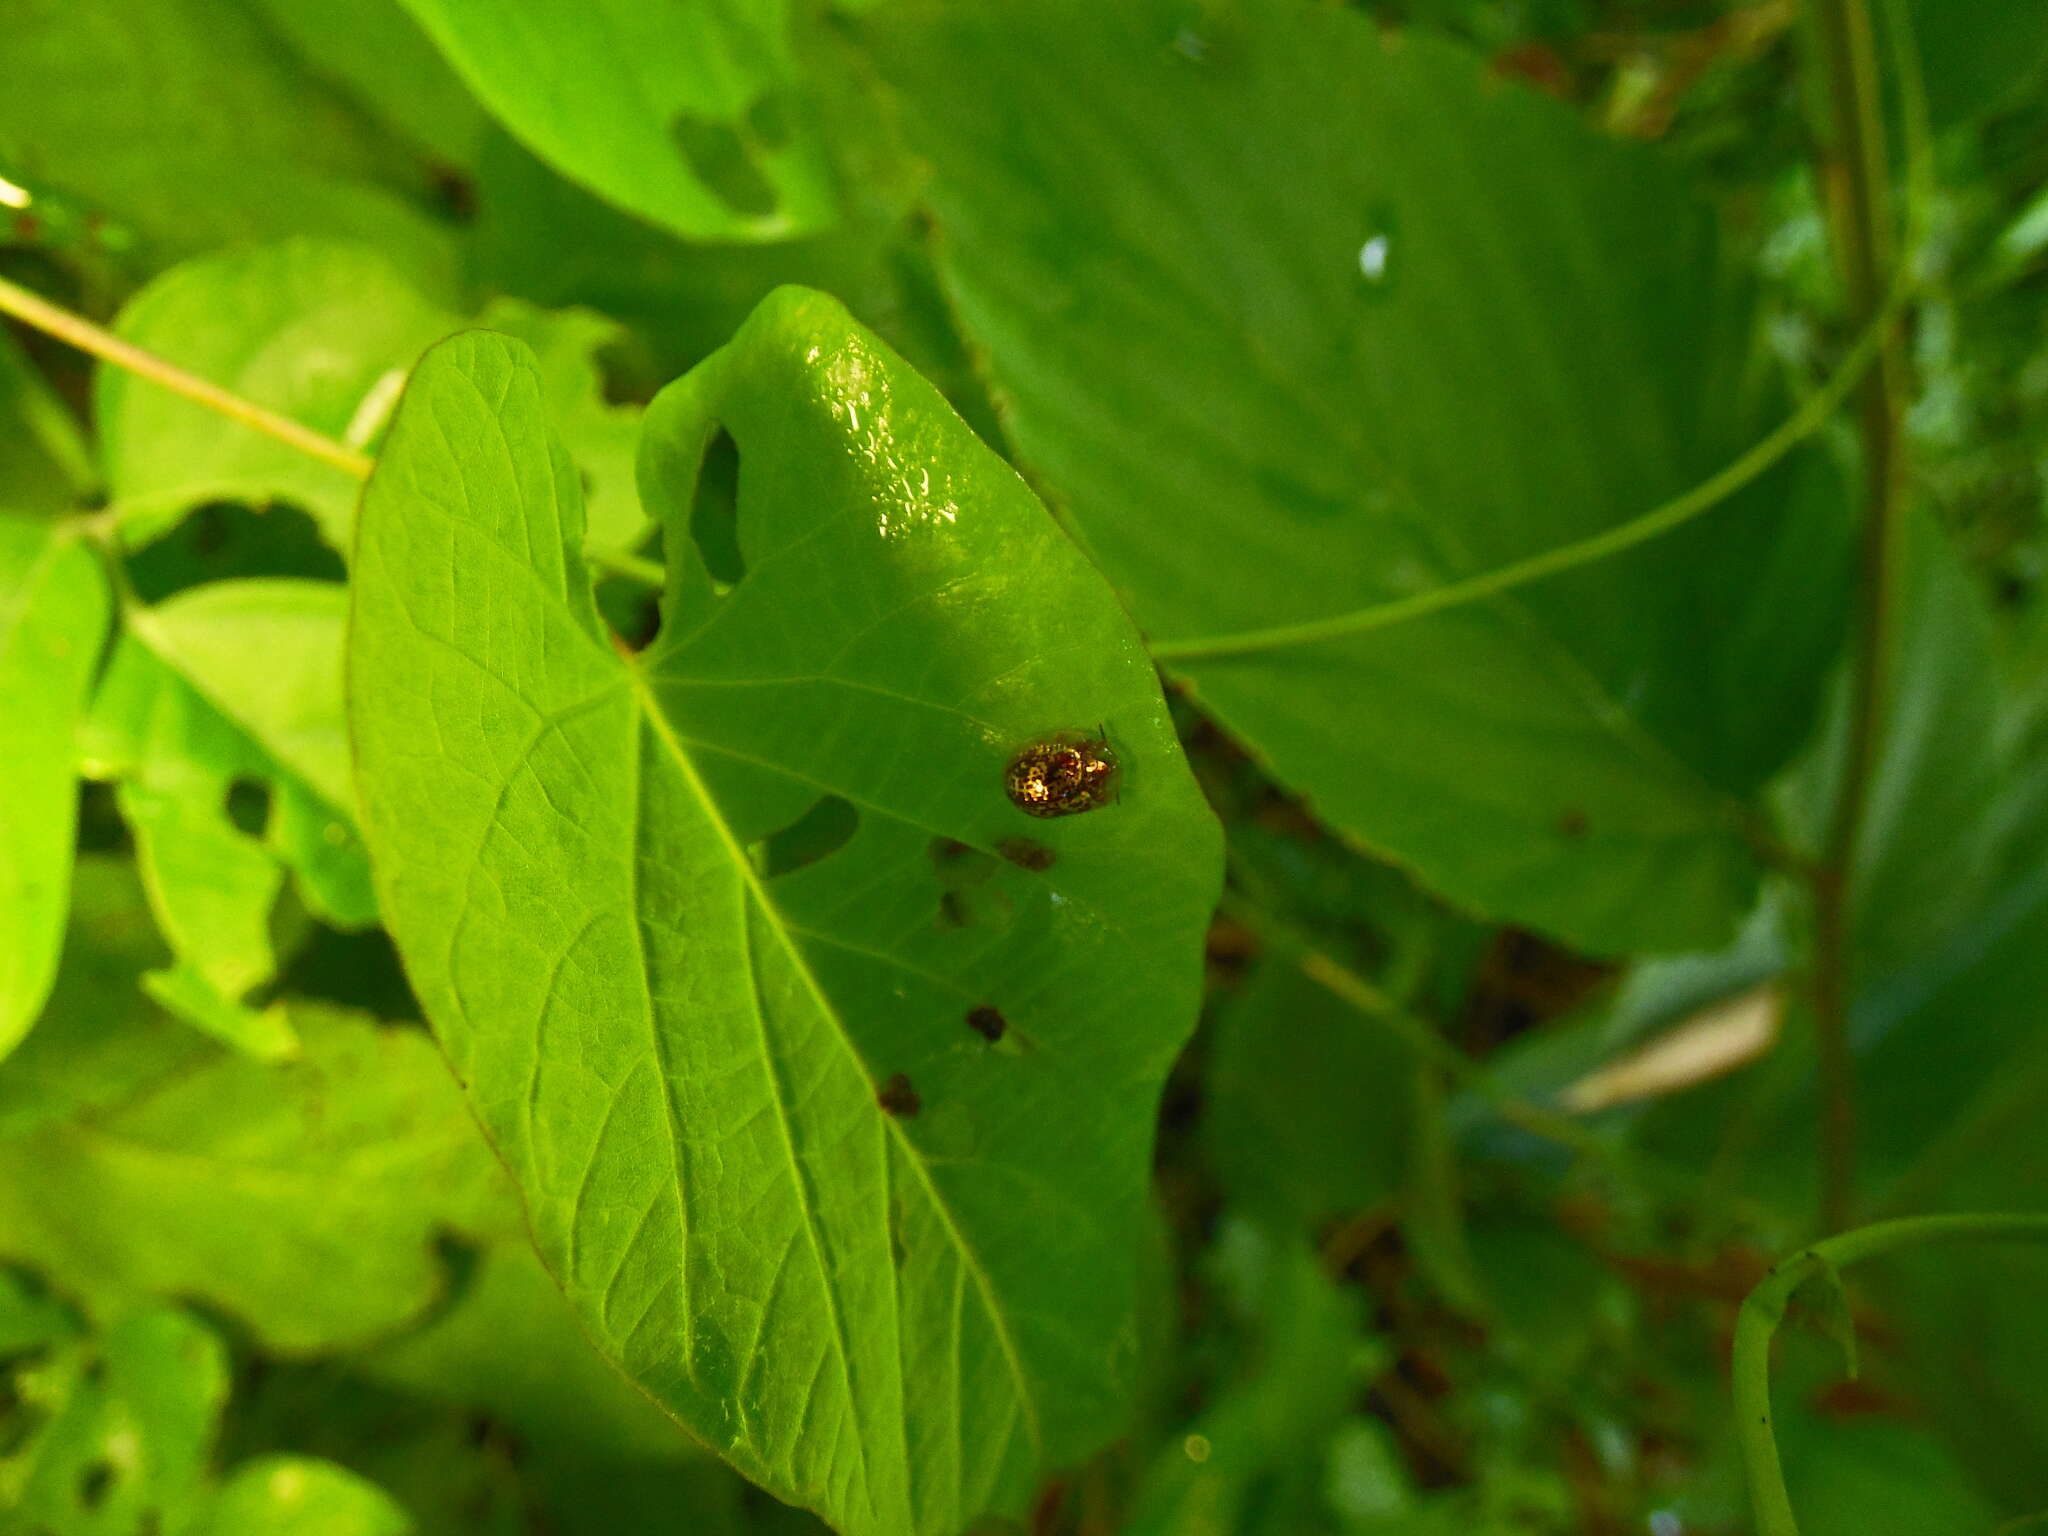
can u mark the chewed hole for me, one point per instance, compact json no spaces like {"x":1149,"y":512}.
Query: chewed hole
{"x":725,"y":163}
{"x":820,"y":832}
{"x":247,"y":803}
{"x":715,"y":513}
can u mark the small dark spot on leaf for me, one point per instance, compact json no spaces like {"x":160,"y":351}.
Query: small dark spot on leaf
{"x":953,"y":911}
{"x":1572,"y":823}
{"x":27,"y":226}
{"x":987,"y":1022}
{"x":1026,"y":854}
{"x":94,"y":1483}
{"x":898,"y":1098}
{"x":946,"y":851}
{"x":456,"y":191}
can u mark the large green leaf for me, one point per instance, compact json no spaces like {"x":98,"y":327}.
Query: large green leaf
{"x":376,"y":51}
{"x":1307,"y":321}
{"x":225,"y":690}
{"x":881,"y":1261}
{"x":190,"y":128}
{"x":686,"y":114}
{"x":303,"y":1198}
{"x":53,"y":617}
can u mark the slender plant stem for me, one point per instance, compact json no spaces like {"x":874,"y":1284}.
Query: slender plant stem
{"x":1765,"y":1309}
{"x":1811,"y":415}
{"x":87,"y":337}
{"x":1855,"y":173}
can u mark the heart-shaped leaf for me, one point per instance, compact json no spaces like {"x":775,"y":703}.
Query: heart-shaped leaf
{"x":827,"y":1074}
{"x":683,"y":114}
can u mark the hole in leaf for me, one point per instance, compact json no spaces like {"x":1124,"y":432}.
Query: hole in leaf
{"x":821,"y":831}
{"x":946,"y":852}
{"x":715,"y":512}
{"x":94,"y":1483}
{"x":629,"y":605}
{"x":724,"y":162}
{"x":101,"y":826}
{"x":248,"y":805}
{"x":223,"y":540}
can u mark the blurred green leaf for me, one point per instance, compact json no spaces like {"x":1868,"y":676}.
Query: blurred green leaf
{"x":320,"y":332}
{"x":1252,"y":1463}
{"x":511,"y":1346}
{"x":689,"y":115}
{"x":47,"y":463}
{"x":127,"y":1427}
{"x":1415,"y":356}
{"x":302,"y":1198}
{"x":121,"y":1436}
{"x":1307,"y":1102}
{"x":183,"y":123}
{"x":874,"y":1207}
{"x":1977,"y":55}
{"x":233,"y":690}
{"x":100,"y":1038}
{"x":1930,"y":831}
{"x":293,"y":1496}
{"x":324,"y":333}
{"x":374,"y":50}
{"x":53,"y":619}
{"x":1850,"y":1477}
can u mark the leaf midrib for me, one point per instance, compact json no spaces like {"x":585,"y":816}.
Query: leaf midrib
{"x":751,"y":885}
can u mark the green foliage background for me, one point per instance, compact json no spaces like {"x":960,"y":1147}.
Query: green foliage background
{"x":524,"y":1006}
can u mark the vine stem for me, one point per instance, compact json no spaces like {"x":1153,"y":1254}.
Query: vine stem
{"x":32,"y":309}
{"x":1855,"y":172}
{"x":1764,"y":1310}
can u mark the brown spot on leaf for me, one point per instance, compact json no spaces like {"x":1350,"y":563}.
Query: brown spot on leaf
{"x":1026,"y":854}
{"x":898,"y":1098}
{"x":987,"y":1023}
